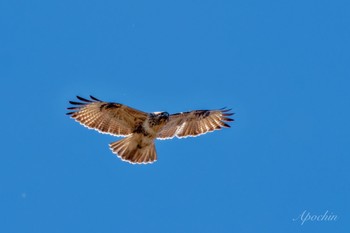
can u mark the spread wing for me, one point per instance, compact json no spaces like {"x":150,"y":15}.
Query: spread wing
{"x":194,"y":123}
{"x":106,"y":117}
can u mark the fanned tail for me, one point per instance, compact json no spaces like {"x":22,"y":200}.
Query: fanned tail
{"x":130,"y":151}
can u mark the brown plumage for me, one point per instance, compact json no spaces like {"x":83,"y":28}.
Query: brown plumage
{"x":140,"y":128}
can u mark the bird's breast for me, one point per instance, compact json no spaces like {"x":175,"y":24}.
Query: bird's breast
{"x":152,"y":129}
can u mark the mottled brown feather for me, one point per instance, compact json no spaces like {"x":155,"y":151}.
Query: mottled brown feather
{"x":106,"y":117}
{"x":194,"y":123}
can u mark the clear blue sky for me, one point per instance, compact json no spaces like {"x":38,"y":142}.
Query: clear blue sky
{"x":282,"y":66}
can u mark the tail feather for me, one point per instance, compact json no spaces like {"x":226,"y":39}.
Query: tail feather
{"x":128,"y":150}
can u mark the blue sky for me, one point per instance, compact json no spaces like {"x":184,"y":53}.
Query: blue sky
{"x":282,"y":66}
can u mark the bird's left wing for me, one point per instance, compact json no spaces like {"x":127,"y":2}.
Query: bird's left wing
{"x":106,"y":117}
{"x":194,"y":123}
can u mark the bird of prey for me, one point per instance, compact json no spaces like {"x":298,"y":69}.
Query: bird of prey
{"x":140,"y":129}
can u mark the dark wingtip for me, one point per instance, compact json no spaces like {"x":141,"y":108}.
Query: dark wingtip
{"x":226,"y":125}
{"x":83,"y":99}
{"x":75,"y":103}
{"x":69,"y":113}
{"x":228,"y":119}
{"x":94,"y":98}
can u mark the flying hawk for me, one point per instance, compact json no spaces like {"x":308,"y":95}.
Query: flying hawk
{"x":140,"y":129}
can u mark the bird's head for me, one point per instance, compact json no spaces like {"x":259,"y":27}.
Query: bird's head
{"x":160,"y":117}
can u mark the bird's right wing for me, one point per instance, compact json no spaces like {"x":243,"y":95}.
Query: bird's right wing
{"x":106,"y":117}
{"x":194,"y":123}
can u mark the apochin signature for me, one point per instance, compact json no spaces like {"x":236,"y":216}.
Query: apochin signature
{"x":307,"y":216}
